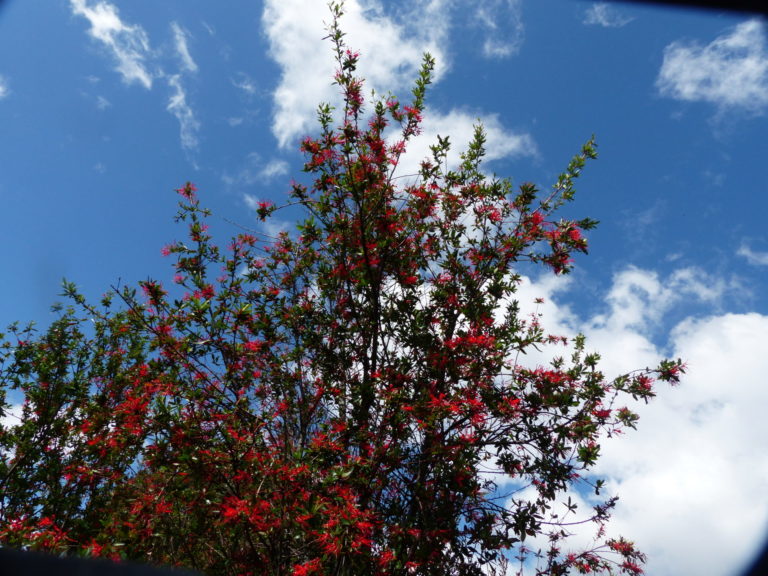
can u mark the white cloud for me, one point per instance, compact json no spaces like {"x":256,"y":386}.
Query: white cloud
{"x":273,"y":226}
{"x":714,"y":178}
{"x":255,"y":170}
{"x":189,"y":125}
{"x":694,"y":471}
{"x":129,"y":45}
{"x":4,"y":90}
{"x":210,"y":29}
{"x":639,"y":299}
{"x":178,"y":106}
{"x":502,"y":25}
{"x":459,"y":125}
{"x":182,"y":49}
{"x":274,"y":168}
{"x":251,"y":201}
{"x":601,"y":14}
{"x":245,"y":83}
{"x":296,"y":40}
{"x":12,"y":416}
{"x":730,"y":72}
{"x":754,"y":258}
{"x":391,"y":54}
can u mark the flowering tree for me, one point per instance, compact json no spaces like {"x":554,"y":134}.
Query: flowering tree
{"x":345,"y":399}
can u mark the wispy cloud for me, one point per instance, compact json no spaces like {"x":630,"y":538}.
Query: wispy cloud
{"x":502,"y":25}
{"x":182,"y":49}
{"x":730,"y":72}
{"x":251,"y":201}
{"x":273,"y":226}
{"x":245,"y":83}
{"x":753,"y":257}
{"x":274,"y":169}
{"x":4,"y":90}
{"x":178,"y":106}
{"x":601,"y":14}
{"x":128,"y":44}
{"x":210,"y":29}
{"x":246,"y":117}
{"x":255,"y":170}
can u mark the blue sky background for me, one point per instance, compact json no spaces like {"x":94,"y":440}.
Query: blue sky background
{"x":107,"y":106}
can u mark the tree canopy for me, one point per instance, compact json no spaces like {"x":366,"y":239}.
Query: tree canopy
{"x":345,"y":398}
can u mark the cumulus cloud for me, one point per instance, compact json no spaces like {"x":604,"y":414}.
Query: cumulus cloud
{"x":693,"y":471}
{"x":639,"y":299}
{"x":296,"y":40}
{"x":601,"y":14}
{"x":182,"y":49}
{"x":730,"y":72}
{"x":753,"y":257}
{"x":459,"y":126}
{"x":295,"y":31}
{"x":128,"y":44}
{"x":178,"y":106}
{"x":4,"y":90}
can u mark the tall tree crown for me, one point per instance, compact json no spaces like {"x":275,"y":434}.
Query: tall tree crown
{"x":343,"y":399}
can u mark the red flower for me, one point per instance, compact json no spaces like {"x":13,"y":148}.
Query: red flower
{"x":306,"y":568}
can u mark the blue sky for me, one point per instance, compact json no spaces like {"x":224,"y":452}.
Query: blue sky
{"x":107,"y":106}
